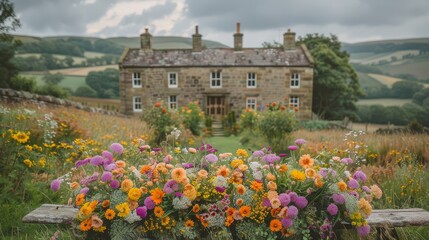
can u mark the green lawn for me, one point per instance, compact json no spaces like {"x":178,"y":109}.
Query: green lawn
{"x":72,"y":82}
{"x":225,"y":144}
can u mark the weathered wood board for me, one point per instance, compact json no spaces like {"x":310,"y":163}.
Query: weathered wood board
{"x":399,"y":217}
{"x":51,"y":213}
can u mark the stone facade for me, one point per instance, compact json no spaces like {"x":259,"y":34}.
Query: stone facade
{"x":222,"y":80}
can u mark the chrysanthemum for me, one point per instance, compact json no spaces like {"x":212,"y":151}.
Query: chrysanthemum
{"x":126,"y":185}
{"x":109,"y":214}
{"x":223,"y":171}
{"x":306,"y":161}
{"x":256,"y":185}
{"x":158,"y":211}
{"x":244,"y":211}
{"x":297,"y":175}
{"x":85,"y":225}
{"x":241,"y":189}
{"x":123,"y":209}
{"x":241,"y":153}
{"x":156,"y":195}
{"x":342,"y":186}
{"x":189,"y":223}
{"x":134,"y":194}
{"x":190,"y":192}
{"x":178,"y":174}
{"x":275,"y":225}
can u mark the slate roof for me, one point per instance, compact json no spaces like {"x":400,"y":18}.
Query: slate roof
{"x":222,"y":57}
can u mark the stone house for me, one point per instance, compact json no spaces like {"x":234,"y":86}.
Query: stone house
{"x":220,"y":79}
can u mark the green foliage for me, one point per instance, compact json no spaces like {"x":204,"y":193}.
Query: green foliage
{"x":160,"y":120}
{"x":8,"y":21}
{"x":248,"y":120}
{"x":229,"y":123}
{"x":336,"y":87}
{"x":8,"y":70}
{"x":191,"y":117}
{"x":105,"y":83}
{"x":23,"y":83}
{"x":53,"y":79}
{"x":421,"y":96}
{"x":405,"y":89}
{"x":52,"y":90}
{"x":84,"y":91}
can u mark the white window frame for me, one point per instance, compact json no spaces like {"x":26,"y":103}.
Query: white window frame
{"x":251,"y":80}
{"x":216,"y":77}
{"x":136,"y":80}
{"x":175,"y":84}
{"x":137,"y":104}
{"x":294,"y":101}
{"x":295,"y":80}
{"x":251,"y":103}
{"x":172,"y":102}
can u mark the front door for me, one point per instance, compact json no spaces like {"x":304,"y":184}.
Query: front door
{"x":215,"y":106}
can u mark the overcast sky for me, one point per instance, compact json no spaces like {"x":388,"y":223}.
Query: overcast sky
{"x":261,"y":20}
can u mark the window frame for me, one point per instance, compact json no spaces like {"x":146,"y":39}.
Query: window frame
{"x":137,"y":103}
{"x":176,"y":79}
{"x":216,"y":78}
{"x":249,"y":80}
{"x":134,"y":79}
{"x":294,"y":101}
{"x":172,"y":102}
{"x":249,"y":104}
{"x":295,"y":80}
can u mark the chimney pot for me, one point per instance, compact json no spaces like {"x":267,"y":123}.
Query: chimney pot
{"x":238,"y":39}
{"x":238,"y":27}
{"x":146,"y":39}
{"x":197,"y":43}
{"x":289,"y":40}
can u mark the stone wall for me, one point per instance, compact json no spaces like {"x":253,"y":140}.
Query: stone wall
{"x":13,"y":96}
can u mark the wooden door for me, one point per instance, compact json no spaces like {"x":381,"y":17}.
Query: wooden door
{"x":215,"y":106}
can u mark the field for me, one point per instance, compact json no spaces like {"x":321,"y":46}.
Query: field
{"x":398,"y":163}
{"x":111,"y":104}
{"x":371,"y":58}
{"x":76,"y":60}
{"x":384,"y":102}
{"x":70,"y":81}
{"x":83,"y":71}
{"x":386,"y":80}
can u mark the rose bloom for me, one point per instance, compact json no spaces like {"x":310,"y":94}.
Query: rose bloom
{"x":178,"y":174}
{"x":202,"y":173}
{"x":270,"y":177}
{"x":96,"y":221}
{"x":126,"y":185}
{"x":272,"y":185}
{"x":275,"y":203}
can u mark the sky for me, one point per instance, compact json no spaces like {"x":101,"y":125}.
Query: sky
{"x":261,"y":20}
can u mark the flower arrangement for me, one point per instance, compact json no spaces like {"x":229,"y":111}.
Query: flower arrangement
{"x":192,"y":193}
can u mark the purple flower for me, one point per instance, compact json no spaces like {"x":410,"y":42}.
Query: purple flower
{"x":360,"y":176}
{"x":89,"y":179}
{"x":347,"y":160}
{"x":187,"y":165}
{"x":287,"y":222}
{"x":363,"y":230}
{"x":106,"y":176}
{"x":149,"y":203}
{"x":56,"y":184}
{"x":353,"y":184}
{"x":157,"y":149}
{"x":300,"y":141}
{"x":178,"y":194}
{"x":282,"y":155}
{"x":117,"y":148}
{"x":292,"y":212}
{"x":141,"y":212}
{"x":332,"y":209}
{"x":211,"y":158}
{"x":109,"y":167}
{"x":270,"y":158}
{"x":84,"y":190}
{"x":96,"y":161}
{"x":114,"y":184}
{"x":80,"y":163}
{"x":284,"y":199}
{"x":354,"y":194}
{"x":366,"y":189}
{"x":258,"y":153}
{"x":220,"y":189}
{"x":293,"y":196}
{"x":171,"y":186}
{"x":293,"y":147}
{"x":266,"y":202}
{"x":301,"y":202}
{"x":108,"y":157}
{"x":338,"y":198}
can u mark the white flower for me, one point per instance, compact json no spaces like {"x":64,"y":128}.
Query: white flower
{"x":132,"y":217}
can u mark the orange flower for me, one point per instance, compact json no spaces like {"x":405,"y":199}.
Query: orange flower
{"x":230,"y":211}
{"x":120,"y":164}
{"x":165,"y":221}
{"x":105,"y":203}
{"x":310,"y":173}
{"x":275,"y":211}
{"x":86,"y":225}
{"x":190,"y":192}
{"x":241,"y":189}
{"x":306,"y":161}
{"x":74,"y":185}
{"x":270,"y":177}
{"x":275,"y":225}
{"x":196,"y":208}
{"x":178,"y":174}
{"x":223,"y":171}
{"x":156,"y":195}
{"x":272,"y":185}
{"x":228,"y":221}
{"x":256,"y":186}
{"x":239,"y":201}
{"x":80,"y":198}
{"x":342,"y":186}
{"x":109,"y":214}
{"x":145,"y":169}
{"x":318,"y":182}
{"x":158,"y":211}
{"x":189,"y":223}
{"x":126,"y":185}
{"x":283,"y":168}
{"x":202,"y":173}
{"x":244,"y":211}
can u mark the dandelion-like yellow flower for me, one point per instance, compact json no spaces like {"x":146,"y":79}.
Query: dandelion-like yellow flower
{"x":29,"y":163}
{"x":236,"y":163}
{"x":297,"y":175}
{"x":123,"y":209}
{"x":21,"y":137}
{"x":134,"y":194}
{"x":241,"y":153}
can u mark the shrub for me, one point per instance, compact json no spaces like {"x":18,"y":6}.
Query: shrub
{"x":160,"y":120}
{"x":192,"y":116}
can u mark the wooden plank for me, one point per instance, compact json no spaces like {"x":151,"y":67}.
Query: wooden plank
{"x":399,"y":217}
{"x":51,"y":213}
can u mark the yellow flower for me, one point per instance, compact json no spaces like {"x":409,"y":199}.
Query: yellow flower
{"x":190,"y":192}
{"x":123,"y":209}
{"x":110,"y":214}
{"x":236,"y":163}
{"x":158,"y":211}
{"x":189,"y":223}
{"x":134,"y":194}
{"x":28,"y":148}
{"x":297,"y":175}
{"x":42,"y":162}
{"x":21,"y":137}
{"x":126,"y":185}
{"x":342,"y":186}
{"x":241,"y":153}
{"x":29,"y":163}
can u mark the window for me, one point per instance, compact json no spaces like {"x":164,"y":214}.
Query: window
{"x":172,"y":102}
{"x":294,"y":101}
{"x":251,"y":80}
{"x":172,"y":80}
{"x":137,"y":82}
{"x":251,"y":103}
{"x":294,"y":80}
{"x":137,"y":104}
{"x":216,"y":79}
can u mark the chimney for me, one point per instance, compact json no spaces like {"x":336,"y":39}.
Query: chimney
{"x":238,"y":39}
{"x":197,"y":44}
{"x":146,"y":40}
{"x":289,"y":40}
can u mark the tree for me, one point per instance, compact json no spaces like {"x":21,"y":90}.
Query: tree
{"x":405,"y":89}
{"x":105,"y":83}
{"x":53,"y":79}
{"x":8,"y":22}
{"x":336,"y":86}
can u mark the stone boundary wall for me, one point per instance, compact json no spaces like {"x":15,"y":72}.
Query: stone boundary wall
{"x":13,"y":96}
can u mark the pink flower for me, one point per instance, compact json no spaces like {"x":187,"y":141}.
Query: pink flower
{"x":332,"y":209}
{"x":56,"y":184}
{"x":211,"y":158}
{"x":142,"y":211}
{"x":363,"y":230}
{"x":301,"y":202}
{"x":117,"y":148}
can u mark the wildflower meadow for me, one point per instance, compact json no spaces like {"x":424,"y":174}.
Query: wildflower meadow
{"x":133,"y":179}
